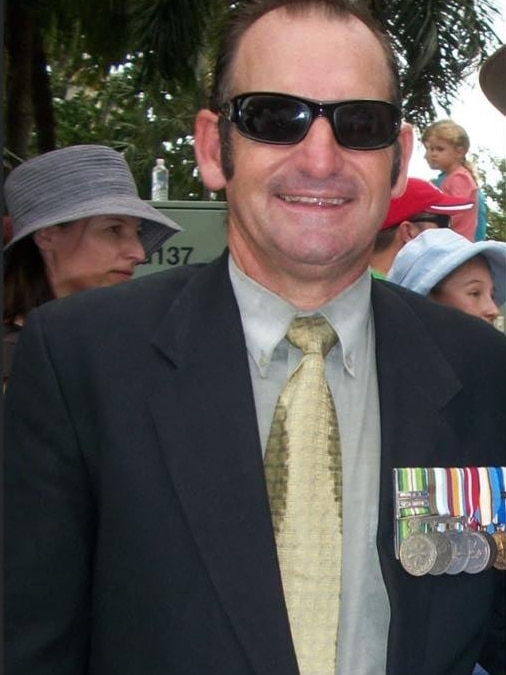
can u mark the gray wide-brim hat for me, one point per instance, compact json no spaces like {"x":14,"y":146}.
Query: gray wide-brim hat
{"x":434,"y":254}
{"x":79,"y":182}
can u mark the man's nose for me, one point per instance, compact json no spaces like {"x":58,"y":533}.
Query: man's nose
{"x":319,"y":153}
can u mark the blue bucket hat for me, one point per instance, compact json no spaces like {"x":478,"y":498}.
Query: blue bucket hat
{"x":434,"y":254}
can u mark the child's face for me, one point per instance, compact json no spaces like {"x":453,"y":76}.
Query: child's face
{"x":470,"y":288}
{"x":442,"y":155}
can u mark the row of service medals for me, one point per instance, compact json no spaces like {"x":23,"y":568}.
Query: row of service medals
{"x":450,"y":520}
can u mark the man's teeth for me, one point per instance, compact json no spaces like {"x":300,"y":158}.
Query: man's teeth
{"x":319,"y":201}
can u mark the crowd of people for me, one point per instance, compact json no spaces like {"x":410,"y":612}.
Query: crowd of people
{"x":149,"y":526}
{"x":422,"y":206}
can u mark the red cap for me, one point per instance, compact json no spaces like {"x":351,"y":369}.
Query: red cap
{"x":421,"y":196}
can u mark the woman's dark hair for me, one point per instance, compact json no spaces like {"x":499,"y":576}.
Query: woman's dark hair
{"x":26,"y":284}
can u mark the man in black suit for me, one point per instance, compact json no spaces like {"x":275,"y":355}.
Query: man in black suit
{"x":139,"y":538}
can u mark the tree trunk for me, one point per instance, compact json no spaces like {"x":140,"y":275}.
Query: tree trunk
{"x":18,"y":44}
{"x":42,"y":100}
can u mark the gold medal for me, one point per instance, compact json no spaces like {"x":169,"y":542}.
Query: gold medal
{"x":499,"y":537}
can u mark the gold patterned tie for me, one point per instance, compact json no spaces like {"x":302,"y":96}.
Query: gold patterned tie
{"x":303,"y":475}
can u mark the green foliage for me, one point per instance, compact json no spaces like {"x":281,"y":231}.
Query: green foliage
{"x":171,"y":35}
{"x":438,"y":43}
{"x":142,"y":124}
{"x":162,"y":49}
{"x":493,"y":184}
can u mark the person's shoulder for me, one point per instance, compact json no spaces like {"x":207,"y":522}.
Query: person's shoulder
{"x":459,"y":178}
{"x":456,"y":332}
{"x":424,"y":306}
{"x":141,"y":295}
{"x":170,"y":281}
{"x":132,"y":308}
{"x":11,"y":334}
{"x":122,"y":319}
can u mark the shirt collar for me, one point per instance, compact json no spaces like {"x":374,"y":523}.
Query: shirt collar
{"x":266,"y":317}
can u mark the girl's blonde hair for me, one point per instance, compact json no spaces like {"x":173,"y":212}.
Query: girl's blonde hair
{"x":451,"y":132}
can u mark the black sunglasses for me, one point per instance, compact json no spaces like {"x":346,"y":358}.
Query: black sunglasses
{"x":284,"y":120}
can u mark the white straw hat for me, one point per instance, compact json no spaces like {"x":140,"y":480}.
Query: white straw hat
{"x":79,"y":182}
{"x":434,"y":254}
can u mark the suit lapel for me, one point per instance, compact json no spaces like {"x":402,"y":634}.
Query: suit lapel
{"x":415,"y":383}
{"x":213,"y":454}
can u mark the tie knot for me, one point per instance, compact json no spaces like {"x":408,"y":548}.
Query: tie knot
{"x":312,"y":334}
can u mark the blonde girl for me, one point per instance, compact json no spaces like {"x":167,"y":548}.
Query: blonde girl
{"x":446,"y":145}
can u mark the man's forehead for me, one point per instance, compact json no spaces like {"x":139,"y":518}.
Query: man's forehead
{"x":283,"y":44}
{"x":298,"y":22}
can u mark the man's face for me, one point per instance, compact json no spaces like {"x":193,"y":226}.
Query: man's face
{"x":309,"y":210}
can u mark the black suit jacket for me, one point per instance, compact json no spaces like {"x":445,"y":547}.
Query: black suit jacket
{"x":138,"y":532}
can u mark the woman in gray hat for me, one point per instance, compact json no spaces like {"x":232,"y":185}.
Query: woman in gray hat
{"x":77,"y":223}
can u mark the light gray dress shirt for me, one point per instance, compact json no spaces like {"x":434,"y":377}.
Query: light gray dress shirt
{"x":351,"y":373}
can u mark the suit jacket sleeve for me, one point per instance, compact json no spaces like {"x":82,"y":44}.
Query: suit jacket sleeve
{"x":49,"y":521}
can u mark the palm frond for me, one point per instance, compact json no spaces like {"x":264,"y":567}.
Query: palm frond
{"x":170,"y":34}
{"x":438,"y":43}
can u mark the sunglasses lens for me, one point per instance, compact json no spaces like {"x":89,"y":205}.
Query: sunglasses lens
{"x":366,"y":125}
{"x":273,"y":119}
{"x":283,"y":119}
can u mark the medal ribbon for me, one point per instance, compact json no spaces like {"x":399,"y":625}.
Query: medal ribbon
{"x":431,"y":486}
{"x":456,"y":491}
{"x":441,"y":484}
{"x":493,"y":478}
{"x":485,"y":501}
{"x":474,"y":493}
{"x":412,"y":479}
{"x":501,"y":480}
{"x":466,"y":472}
{"x":409,"y":480}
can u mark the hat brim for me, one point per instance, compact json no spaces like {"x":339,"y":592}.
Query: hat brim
{"x":492,"y":79}
{"x":493,"y":251}
{"x":157,"y":227}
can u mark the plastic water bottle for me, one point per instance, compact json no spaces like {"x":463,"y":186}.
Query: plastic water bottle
{"x":160,"y":182}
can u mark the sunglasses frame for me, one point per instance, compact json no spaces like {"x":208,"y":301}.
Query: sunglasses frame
{"x":232,"y":111}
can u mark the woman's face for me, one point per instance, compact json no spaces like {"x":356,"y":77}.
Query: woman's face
{"x":95,"y":251}
{"x":470,"y":288}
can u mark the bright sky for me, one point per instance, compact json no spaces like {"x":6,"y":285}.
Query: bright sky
{"x":485,"y":125}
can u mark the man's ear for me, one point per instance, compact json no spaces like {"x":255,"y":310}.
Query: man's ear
{"x":44,"y":237}
{"x":405,"y":145}
{"x":208,"y":150}
{"x":408,"y":231}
